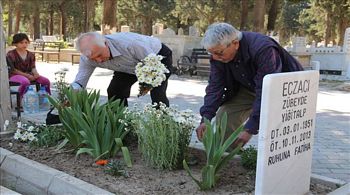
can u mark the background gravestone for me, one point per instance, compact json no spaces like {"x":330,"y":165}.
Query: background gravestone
{"x":169,"y":32}
{"x":346,"y":46}
{"x":157,"y":29}
{"x":125,"y":28}
{"x":299,"y":44}
{"x":287,"y":125}
{"x":180,"y":31}
{"x":193,"y":31}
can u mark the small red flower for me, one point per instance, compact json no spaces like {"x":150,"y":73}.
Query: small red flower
{"x":101,"y":162}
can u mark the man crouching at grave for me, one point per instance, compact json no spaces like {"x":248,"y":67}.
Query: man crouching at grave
{"x":239,"y":61}
{"x":120,"y":52}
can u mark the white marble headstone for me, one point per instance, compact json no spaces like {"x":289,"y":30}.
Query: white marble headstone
{"x":299,"y":44}
{"x":125,"y":28}
{"x":180,"y":31}
{"x":168,"y":32}
{"x":193,"y":31}
{"x":286,"y":134}
{"x":346,"y":45}
{"x":157,"y":29}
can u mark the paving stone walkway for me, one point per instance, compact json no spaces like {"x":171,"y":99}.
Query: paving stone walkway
{"x":331,"y":154}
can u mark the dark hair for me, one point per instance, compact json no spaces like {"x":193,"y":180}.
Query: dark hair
{"x":19,"y":37}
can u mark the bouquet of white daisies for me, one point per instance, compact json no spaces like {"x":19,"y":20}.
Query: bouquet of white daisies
{"x":150,"y":73}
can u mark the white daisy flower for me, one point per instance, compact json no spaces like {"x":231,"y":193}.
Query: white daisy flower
{"x":30,"y":136}
{"x":17,"y":135}
{"x":30,"y":128}
{"x":7,"y":122}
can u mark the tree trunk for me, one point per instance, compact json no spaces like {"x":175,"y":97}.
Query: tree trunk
{"x":10,"y":21}
{"x":328,"y":31}
{"x":36,"y":22}
{"x":146,"y":27}
{"x":343,"y":23}
{"x":273,"y":15}
{"x":86,"y":16}
{"x":63,"y":29}
{"x":109,"y":20}
{"x":18,"y":17}
{"x":47,"y":30}
{"x":51,"y":13}
{"x":244,"y":15}
{"x":89,"y":14}
{"x":228,"y":12}
{"x":5,"y":108}
{"x":259,"y":13}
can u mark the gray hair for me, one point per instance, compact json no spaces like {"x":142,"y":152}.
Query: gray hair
{"x":220,"y":34}
{"x":90,"y":39}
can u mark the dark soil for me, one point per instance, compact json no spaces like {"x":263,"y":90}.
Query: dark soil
{"x":142,"y":178}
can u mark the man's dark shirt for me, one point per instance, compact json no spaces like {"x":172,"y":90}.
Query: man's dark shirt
{"x":257,"y":56}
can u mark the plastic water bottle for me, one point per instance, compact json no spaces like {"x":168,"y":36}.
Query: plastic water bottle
{"x":30,"y":101}
{"x":44,"y":104}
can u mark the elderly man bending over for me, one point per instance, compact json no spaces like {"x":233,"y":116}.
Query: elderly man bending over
{"x":120,"y":52}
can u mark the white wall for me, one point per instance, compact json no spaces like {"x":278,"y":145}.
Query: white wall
{"x":180,"y":44}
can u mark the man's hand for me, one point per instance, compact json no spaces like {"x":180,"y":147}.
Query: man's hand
{"x":200,"y":131}
{"x":243,"y":138}
{"x":76,"y":87}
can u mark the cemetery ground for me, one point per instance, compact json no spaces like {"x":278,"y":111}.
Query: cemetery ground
{"x":330,"y":153}
{"x":143,"y":179}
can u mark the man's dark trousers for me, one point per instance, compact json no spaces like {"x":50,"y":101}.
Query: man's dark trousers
{"x":121,"y":83}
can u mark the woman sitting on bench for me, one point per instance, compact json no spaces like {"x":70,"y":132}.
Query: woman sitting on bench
{"x":21,"y":63}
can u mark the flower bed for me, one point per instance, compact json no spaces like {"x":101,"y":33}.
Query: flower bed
{"x":101,"y":133}
{"x":142,"y":178}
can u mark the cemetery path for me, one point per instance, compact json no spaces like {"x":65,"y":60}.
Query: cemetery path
{"x":331,"y":156}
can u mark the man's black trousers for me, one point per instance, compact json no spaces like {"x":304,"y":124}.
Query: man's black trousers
{"x":121,"y":83}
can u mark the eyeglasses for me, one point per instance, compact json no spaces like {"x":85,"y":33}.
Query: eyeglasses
{"x":220,"y":53}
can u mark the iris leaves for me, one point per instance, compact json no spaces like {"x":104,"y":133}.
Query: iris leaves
{"x":93,"y":128}
{"x":215,"y":146}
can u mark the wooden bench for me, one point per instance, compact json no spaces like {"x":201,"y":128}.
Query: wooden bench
{"x":199,"y":53}
{"x":48,"y":54}
{"x":193,"y":64}
{"x":75,"y":55}
{"x":39,"y":48}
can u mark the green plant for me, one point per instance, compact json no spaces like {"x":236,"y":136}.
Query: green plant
{"x":116,"y":168}
{"x":93,"y":128}
{"x":249,"y":157}
{"x":9,"y":40}
{"x":48,"y":136}
{"x":61,"y":84}
{"x":164,"y":135}
{"x":215,"y":146}
{"x":61,"y":44}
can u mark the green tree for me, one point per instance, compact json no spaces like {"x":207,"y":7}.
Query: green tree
{"x":202,"y":13}
{"x":142,"y":14}
{"x":10,"y":18}
{"x":18,"y":5}
{"x":109,"y":20}
{"x":244,"y":15}
{"x":337,"y":13}
{"x":289,"y":24}
{"x":326,"y":20}
{"x":36,"y":20}
{"x":89,"y":14}
{"x":272,"y":14}
{"x":259,"y":15}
